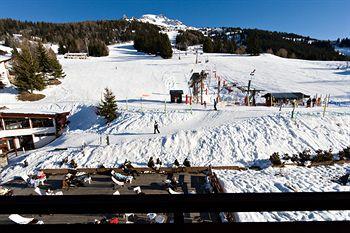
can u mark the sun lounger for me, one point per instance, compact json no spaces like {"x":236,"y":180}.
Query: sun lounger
{"x":127,"y":215}
{"x":5,"y":192}
{"x":121,"y":177}
{"x":223,"y":217}
{"x":19,"y":219}
{"x":117,"y":182}
{"x":137,"y":189}
{"x":88,"y":180}
{"x":159,"y":219}
{"x":151,"y":216}
{"x":40,"y":192}
{"x":171,"y":191}
{"x":25,"y":177}
{"x":59,"y":193}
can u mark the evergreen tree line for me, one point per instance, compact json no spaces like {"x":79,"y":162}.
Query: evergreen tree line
{"x":288,"y":45}
{"x":34,"y":66}
{"x":153,"y":42}
{"x":260,"y":41}
{"x":188,"y":38}
{"x":95,"y":47}
{"x":74,"y":37}
{"x":219,"y":45}
{"x":254,"y":42}
{"x":343,"y":42}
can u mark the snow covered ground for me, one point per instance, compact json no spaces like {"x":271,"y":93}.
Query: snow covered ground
{"x":290,"y":179}
{"x":234,"y":135}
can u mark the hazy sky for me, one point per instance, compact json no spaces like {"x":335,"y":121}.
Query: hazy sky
{"x":322,"y":19}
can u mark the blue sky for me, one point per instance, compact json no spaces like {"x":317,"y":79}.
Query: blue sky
{"x":323,"y":19}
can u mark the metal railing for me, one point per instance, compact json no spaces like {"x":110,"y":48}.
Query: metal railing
{"x":179,"y":204}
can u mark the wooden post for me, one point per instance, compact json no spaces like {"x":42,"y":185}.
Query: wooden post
{"x":248,"y":90}
{"x":218,"y":97}
{"x":326,"y":102}
{"x":202,"y":84}
{"x":294,"y":103}
{"x":107,"y":139}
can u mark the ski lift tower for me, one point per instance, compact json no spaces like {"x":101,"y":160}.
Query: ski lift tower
{"x":249,"y":83}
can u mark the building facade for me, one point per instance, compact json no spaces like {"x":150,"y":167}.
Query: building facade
{"x":29,"y":130}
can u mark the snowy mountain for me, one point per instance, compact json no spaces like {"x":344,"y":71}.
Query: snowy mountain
{"x":163,"y":21}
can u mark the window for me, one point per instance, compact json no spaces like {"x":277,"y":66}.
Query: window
{"x":42,"y":122}
{"x":16,"y":123}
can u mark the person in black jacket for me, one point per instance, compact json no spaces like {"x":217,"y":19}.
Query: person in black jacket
{"x":186,"y":163}
{"x":150,"y":163}
{"x":156,"y":127}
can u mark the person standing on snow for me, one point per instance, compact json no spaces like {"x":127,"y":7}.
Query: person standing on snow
{"x":156,"y":128}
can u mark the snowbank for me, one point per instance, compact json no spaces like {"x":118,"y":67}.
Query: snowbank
{"x":289,"y":179}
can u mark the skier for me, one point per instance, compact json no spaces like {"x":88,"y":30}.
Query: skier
{"x":308,"y":103}
{"x":215,"y":105}
{"x":156,"y":129}
{"x":314,"y":102}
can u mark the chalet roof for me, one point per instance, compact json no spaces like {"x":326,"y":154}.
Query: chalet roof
{"x":287,"y":95}
{"x":4,"y":59}
{"x":6,"y":113}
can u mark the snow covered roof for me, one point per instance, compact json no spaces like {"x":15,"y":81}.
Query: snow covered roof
{"x":287,"y":95}
{"x":29,"y":112}
{"x":4,"y":58}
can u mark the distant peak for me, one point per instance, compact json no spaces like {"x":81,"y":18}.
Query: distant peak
{"x":163,"y":21}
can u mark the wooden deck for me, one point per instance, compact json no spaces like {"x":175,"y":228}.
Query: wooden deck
{"x":150,"y":183}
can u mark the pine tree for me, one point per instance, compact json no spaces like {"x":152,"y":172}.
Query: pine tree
{"x":43,"y":60}
{"x":207,"y":45}
{"x":108,"y":106}
{"x":165,"y":50}
{"x":98,"y":48}
{"x":61,"y":48}
{"x":55,"y":65}
{"x":253,"y":46}
{"x":26,"y":70}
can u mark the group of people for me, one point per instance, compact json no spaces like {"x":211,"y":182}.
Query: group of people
{"x":313,"y":101}
{"x":129,"y":169}
{"x":75,"y":180}
{"x":154,"y":165}
{"x":158,"y":163}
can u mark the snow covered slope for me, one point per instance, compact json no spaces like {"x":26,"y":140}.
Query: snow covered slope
{"x":234,"y":135}
{"x":133,"y":75}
